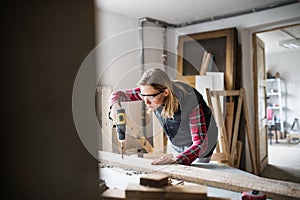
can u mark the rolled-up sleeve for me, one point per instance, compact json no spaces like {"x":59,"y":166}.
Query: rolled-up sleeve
{"x":124,"y":96}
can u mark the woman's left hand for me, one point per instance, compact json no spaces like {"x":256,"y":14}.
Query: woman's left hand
{"x":164,"y":160}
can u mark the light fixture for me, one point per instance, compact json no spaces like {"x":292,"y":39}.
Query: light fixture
{"x":290,"y":44}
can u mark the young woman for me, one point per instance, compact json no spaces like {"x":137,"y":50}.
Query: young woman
{"x":180,"y":109}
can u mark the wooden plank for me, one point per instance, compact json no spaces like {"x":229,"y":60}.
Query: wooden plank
{"x":154,"y":180}
{"x":239,"y":146}
{"x":225,"y":93}
{"x":102,"y":105}
{"x":235,"y":130}
{"x":235,"y":181}
{"x":221,"y":157}
{"x":136,"y":191}
{"x":158,"y":136}
{"x":221,"y":126}
{"x":113,"y":194}
{"x":155,"y":155}
{"x":229,"y":120}
{"x":249,"y":133}
{"x":117,"y":194}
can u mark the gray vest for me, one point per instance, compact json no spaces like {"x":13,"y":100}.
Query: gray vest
{"x":178,"y":128}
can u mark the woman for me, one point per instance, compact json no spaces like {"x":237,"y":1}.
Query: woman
{"x":181,"y":111}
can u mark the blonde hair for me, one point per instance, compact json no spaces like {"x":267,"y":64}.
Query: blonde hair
{"x":160,"y":81}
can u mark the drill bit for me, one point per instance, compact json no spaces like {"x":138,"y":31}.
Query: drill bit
{"x":122,"y":150}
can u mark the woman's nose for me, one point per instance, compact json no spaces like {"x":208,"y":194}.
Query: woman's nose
{"x":147,"y":101}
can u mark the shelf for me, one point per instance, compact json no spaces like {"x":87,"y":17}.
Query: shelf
{"x":275,"y":99}
{"x":273,"y":94}
{"x":275,"y":107}
{"x":272,"y":79}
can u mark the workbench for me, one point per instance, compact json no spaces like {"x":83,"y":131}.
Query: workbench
{"x":119,"y":178}
{"x":221,"y":180}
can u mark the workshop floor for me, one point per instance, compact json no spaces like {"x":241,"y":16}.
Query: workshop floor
{"x":284,"y":162}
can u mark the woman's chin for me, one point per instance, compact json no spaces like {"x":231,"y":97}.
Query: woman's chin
{"x":151,"y":108}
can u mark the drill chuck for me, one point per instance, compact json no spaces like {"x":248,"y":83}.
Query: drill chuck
{"x":121,"y":124}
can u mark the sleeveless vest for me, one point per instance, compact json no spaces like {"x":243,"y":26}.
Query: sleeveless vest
{"x":178,"y":128}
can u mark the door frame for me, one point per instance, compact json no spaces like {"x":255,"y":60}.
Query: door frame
{"x":255,"y":91}
{"x":260,"y":127}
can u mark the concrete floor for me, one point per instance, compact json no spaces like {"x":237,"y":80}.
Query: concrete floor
{"x":284,"y":161}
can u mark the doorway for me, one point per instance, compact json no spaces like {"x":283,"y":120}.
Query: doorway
{"x":276,"y":64}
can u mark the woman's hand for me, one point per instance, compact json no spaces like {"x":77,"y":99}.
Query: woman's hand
{"x":113,"y":111}
{"x":164,"y":160}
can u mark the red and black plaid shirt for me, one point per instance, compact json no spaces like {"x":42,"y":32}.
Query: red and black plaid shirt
{"x":196,"y":121}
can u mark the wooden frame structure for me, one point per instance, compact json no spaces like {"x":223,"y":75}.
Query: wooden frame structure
{"x":229,"y":148}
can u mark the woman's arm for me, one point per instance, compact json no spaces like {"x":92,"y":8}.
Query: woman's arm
{"x":119,"y":96}
{"x":124,"y":96}
{"x":198,"y":132}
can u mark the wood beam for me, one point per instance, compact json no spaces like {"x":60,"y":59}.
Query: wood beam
{"x":235,"y":181}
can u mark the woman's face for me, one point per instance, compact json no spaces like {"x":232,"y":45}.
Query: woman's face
{"x":153,"y":98}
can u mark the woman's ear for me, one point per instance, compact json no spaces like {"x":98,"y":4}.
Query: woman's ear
{"x":166,"y":92}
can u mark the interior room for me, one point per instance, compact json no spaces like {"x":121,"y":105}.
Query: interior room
{"x":277,"y":56}
{"x":62,"y":60}
{"x":167,"y":43}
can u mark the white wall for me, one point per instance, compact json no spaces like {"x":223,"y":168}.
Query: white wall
{"x":288,"y":65}
{"x":119,"y":59}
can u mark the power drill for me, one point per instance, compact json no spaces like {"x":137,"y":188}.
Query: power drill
{"x":121,"y":128}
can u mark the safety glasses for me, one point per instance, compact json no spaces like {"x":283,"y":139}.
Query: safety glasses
{"x":150,"y":97}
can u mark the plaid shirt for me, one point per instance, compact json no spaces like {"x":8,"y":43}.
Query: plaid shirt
{"x":196,"y":121}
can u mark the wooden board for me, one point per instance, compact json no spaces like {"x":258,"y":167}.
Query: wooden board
{"x":113,"y":194}
{"x":136,"y":191}
{"x":154,"y":180}
{"x":158,"y":136}
{"x":154,"y":155}
{"x":117,"y":194}
{"x":234,"y":181}
{"x":229,"y":120}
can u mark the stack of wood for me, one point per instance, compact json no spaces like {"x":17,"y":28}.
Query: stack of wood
{"x":158,"y":186}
